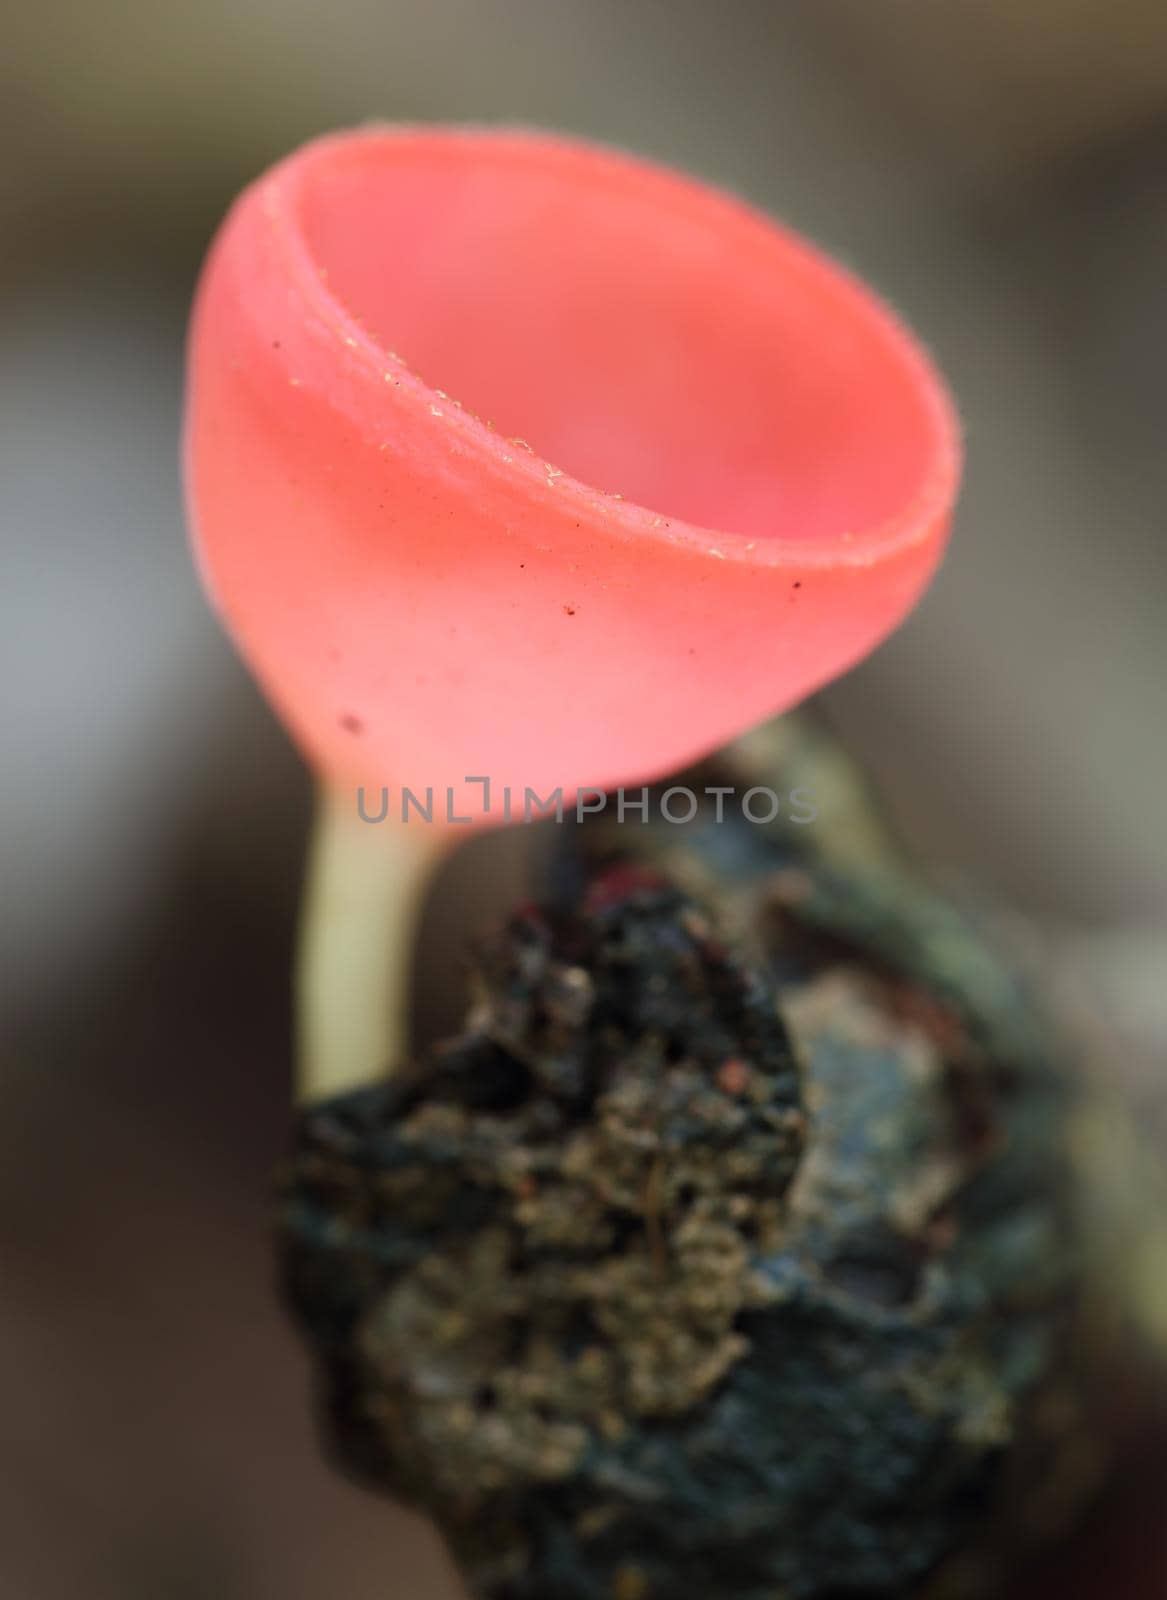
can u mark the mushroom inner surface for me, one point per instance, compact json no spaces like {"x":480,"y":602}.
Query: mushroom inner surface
{"x":641,"y":333}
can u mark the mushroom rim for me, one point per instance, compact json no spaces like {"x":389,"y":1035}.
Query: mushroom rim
{"x":921,"y":520}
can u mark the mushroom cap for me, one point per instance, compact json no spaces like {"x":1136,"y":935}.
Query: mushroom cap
{"x":509,"y":456}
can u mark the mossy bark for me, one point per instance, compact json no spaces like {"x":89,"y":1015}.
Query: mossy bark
{"x":734,"y":1247}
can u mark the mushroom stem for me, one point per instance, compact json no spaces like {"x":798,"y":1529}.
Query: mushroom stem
{"x":363,"y":894}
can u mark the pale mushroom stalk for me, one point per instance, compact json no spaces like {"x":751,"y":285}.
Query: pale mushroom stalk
{"x":364,"y":893}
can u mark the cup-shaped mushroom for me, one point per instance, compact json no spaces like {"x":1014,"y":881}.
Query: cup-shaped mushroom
{"x":513,"y":457}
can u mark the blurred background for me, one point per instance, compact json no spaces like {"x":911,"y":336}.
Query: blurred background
{"x":998,"y":170}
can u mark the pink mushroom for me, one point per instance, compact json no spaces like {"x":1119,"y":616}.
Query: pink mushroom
{"x":512,"y":458}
